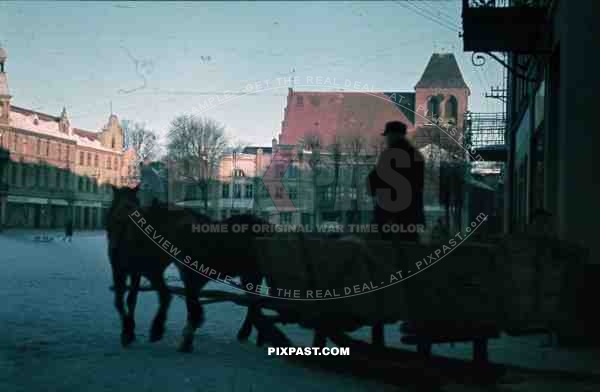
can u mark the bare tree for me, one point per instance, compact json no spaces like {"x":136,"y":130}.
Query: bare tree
{"x":336,"y":150}
{"x":312,"y":142}
{"x":356,"y":155}
{"x":195,"y":147}
{"x":141,"y":139}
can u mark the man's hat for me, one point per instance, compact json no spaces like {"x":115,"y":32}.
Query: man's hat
{"x":394,"y":127}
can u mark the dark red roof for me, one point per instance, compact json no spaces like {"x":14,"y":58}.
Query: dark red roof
{"x":442,"y":71}
{"x":334,"y":114}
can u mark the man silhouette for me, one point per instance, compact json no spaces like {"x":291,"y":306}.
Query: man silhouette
{"x":397,"y":186}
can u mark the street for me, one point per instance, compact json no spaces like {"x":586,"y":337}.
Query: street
{"x":61,"y":333}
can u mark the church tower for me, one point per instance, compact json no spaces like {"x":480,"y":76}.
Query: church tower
{"x":441,"y":97}
{"x":112,"y":134}
{"x":4,"y":94}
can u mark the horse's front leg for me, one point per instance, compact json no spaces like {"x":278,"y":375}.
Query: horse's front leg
{"x":129,"y":324}
{"x":164,"y":297}
{"x":195,"y":316}
{"x":120,"y":286}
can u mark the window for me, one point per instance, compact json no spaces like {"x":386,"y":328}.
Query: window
{"x":89,"y":159}
{"x":39,"y":175}
{"x":340,"y":193}
{"x":14,"y":173}
{"x":238,"y":173}
{"x":38,"y":147}
{"x":108,"y":161}
{"x":286,"y":218}
{"x":249,"y":191}
{"x":433,"y":107}
{"x":279,"y":192}
{"x":299,"y":100}
{"x":538,"y":171}
{"x":452,"y":108}
{"x":96,"y":160}
{"x":237,"y":191}
{"x":521,"y":196}
{"x":305,"y":218}
{"x":225,"y":191}
{"x":112,"y":144}
{"x":293,"y":192}
{"x":353,"y":193}
{"x":292,"y":171}
{"x":23,"y":175}
{"x":116,"y":163}
{"x":81,"y":158}
{"x":47,"y":147}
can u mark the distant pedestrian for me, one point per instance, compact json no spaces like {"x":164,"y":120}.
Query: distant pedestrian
{"x":68,"y":231}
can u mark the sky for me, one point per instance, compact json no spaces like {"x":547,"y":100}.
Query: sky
{"x":151,"y":61}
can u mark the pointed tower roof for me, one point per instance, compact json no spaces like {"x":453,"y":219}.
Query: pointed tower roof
{"x":442,"y":71}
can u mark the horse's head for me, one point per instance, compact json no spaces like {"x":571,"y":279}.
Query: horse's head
{"x":124,"y":202}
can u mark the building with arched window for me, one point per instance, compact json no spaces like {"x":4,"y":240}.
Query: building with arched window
{"x":434,"y":114}
{"x":50,"y":175}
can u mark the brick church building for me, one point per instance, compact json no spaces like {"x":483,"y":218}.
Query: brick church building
{"x":434,"y":114}
{"x":441,"y":93}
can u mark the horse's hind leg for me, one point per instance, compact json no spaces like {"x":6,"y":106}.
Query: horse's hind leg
{"x":252,"y":313}
{"x":164,"y":297}
{"x":120,"y":286}
{"x":195,"y":311}
{"x":131,"y":303}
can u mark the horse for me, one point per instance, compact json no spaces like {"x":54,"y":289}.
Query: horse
{"x":133,"y":254}
{"x":230,"y":251}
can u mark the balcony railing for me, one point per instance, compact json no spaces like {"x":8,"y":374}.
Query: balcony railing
{"x":508,"y":3}
{"x":517,"y":26}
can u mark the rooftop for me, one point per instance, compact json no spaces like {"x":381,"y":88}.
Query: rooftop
{"x":442,"y":71}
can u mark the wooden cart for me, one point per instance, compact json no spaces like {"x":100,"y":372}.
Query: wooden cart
{"x":451,"y":292}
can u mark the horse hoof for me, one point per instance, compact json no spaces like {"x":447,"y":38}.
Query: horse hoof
{"x":127,"y":339}
{"x":242,"y":337}
{"x":157,"y":334}
{"x":185,"y":348}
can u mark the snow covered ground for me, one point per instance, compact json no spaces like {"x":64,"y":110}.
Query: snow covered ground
{"x":60,"y":332}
